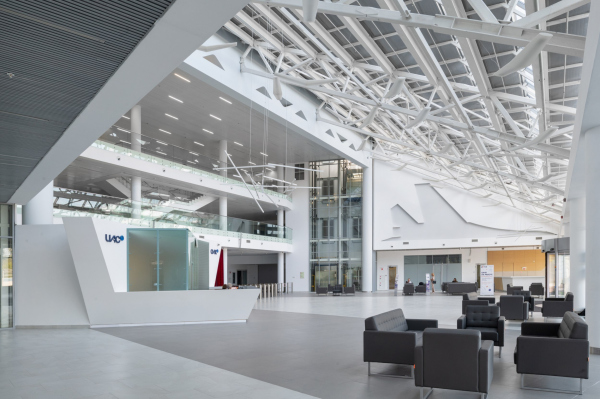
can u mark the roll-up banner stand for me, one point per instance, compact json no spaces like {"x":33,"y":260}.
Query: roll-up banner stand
{"x":486,"y":279}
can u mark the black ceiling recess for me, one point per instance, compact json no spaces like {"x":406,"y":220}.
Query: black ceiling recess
{"x":54,"y":57}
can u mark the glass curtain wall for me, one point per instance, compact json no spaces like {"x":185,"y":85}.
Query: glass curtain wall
{"x":336,"y":224}
{"x":445,"y":267}
{"x":6,"y":265}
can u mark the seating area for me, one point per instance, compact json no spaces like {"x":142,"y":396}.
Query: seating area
{"x":335,"y":290}
{"x":458,"y":288}
{"x":463,"y":359}
{"x":557,"y":307}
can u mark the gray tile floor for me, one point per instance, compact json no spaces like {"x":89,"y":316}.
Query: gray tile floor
{"x":295,"y":346}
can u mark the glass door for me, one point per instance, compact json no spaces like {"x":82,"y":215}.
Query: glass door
{"x":172,"y":255}
{"x":558,"y":274}
{"x":437,"y":271}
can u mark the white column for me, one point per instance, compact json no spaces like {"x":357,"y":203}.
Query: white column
{"x":223,"y":203}
{"x":367,"y":229}
{"x":577,"y":250}
{"x":592,"y":235}
{"x":39,"y":209}
{"x":280,"y":271}
{"x":136,"y":145}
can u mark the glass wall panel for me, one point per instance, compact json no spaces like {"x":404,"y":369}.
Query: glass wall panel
{"x":142,"y":274}
{"x":6,"y":265}
{"x":173,"y":260}
{"x":336,"y":224}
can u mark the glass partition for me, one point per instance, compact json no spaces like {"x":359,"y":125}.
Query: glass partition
{"x":6,"y":265}
{"x":159,"y":260}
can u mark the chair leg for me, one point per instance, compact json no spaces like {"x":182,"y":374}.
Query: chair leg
{"x":500,"y":354}
{"x":369,"y":368}
{"x":428,"y":393}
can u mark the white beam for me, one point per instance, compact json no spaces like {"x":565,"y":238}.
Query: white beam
{"x":549,"y":12}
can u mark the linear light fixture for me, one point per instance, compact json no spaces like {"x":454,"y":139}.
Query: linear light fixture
{"x":123,"y":130}
{"x":251,"y":163}
{"x":227,"y":101}
{"x":171,"y":116}
{"x":262,"y":153}
{"x":176,"y":99}
{"x":161,"y":152}
{"x":207,"y":131}
{"x":195,"y":142}
{"x":216,"y":117}
{"x":181,"y":77}
{"x":240,"y":144}
{"x":164,"y":131}
{"x":126,"y":117}
{"x":191,"y":161}
{"x":161,"y":142}
{"x":126,"y":142}
{"x":193,"y":153}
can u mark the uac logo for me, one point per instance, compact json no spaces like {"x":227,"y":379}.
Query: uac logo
{"x":214,"y":251}
{"x":115,"y":239}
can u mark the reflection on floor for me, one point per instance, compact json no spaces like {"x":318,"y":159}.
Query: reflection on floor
{"x":293,"y":346}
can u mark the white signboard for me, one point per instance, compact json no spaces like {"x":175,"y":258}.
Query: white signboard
{"x":486,"y":279}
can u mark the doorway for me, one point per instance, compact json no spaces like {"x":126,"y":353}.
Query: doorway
{"x":242,"y":277}
{"x":392,"y":277}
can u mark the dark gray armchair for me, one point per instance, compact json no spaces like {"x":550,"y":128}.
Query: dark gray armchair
{"x":454,"y":359}
{"x":349,"y":290}
{"x":556,"y":307}
{"x":409,"y":289}
{"x":391,"y":338}
{"x":527,"y":298}
{"x":537,"y":289}
{"x":473,"y":299}
{"x":557,"y":349}
{"x":514,"y":307}
{"x":487,"y":320}
{"x":421,"y":288}
{"x":509,"y":289}
{"x":321,"y":290}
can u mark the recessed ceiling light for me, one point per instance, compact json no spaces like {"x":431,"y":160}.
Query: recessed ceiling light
{"x":191,"y":161}
{"x":171,"y":116}
{"x":227,"y":101}
{"x":251,"y":163}
{"x":195,"y":142}
{"x":123,"y":130}
{"x":207,"y":131}
{"x":216,"y":166}
{"x":123,"y":141}
{"x":126,"y":117}
{"x":176,"y":99}
{"x":161,"y":152}
{"x":262,"y":153}
{"x":235,"y":142}
{"x":193,"y":153}
{"x":181,"y":77}
{"x":216,"y":117}
{"x":161,"y":142}
{"x":164,"y":131}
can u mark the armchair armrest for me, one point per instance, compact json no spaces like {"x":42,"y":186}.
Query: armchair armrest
{"x":461,"y":323}
{"x":561,"y":357}
{"x":419,"y":366}
{"x":396,"y":347}
{"x":501,"y":329}
{"x":486,"y":366}
{"x":421,"y":324}
{"x":556,"y":308}
{"x":525,"y":310}
{"x":539,"y":329}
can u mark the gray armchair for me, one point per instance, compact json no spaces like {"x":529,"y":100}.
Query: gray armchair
{"x":421,"y":289}
{"x":556,"y":307}
{"x":409,"y":289}
{"x":514,"y":307}
{"x":509,"y":289}
{"x":321,"y":290}
{"x":527,"y":298}
{"x":349,"y":290}
{"x":473,"y":299}
{"x":537,"y":289}
{"x":454,"y":359}
{"x":461,"y":288}
{"x":557,"y":349}
{"x":391,"y":338}
{"x":487,"y":320}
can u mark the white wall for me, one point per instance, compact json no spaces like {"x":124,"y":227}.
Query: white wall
{"x":47,"y":291}
{"x":298,"y":220}
{"x":409,"y":210}
{"x":252,"y":273}
{"x":249,"y":263}
{"x":470,"y":258}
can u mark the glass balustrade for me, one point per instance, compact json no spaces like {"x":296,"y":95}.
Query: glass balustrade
{"x":163,"y":160}
{"x":72,"y":203}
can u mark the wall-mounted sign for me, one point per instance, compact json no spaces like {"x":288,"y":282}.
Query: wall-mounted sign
{"x":115,"y":239}
{"x":214,"y":251}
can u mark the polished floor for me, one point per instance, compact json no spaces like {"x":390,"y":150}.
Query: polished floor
{"x":293,"y":346}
